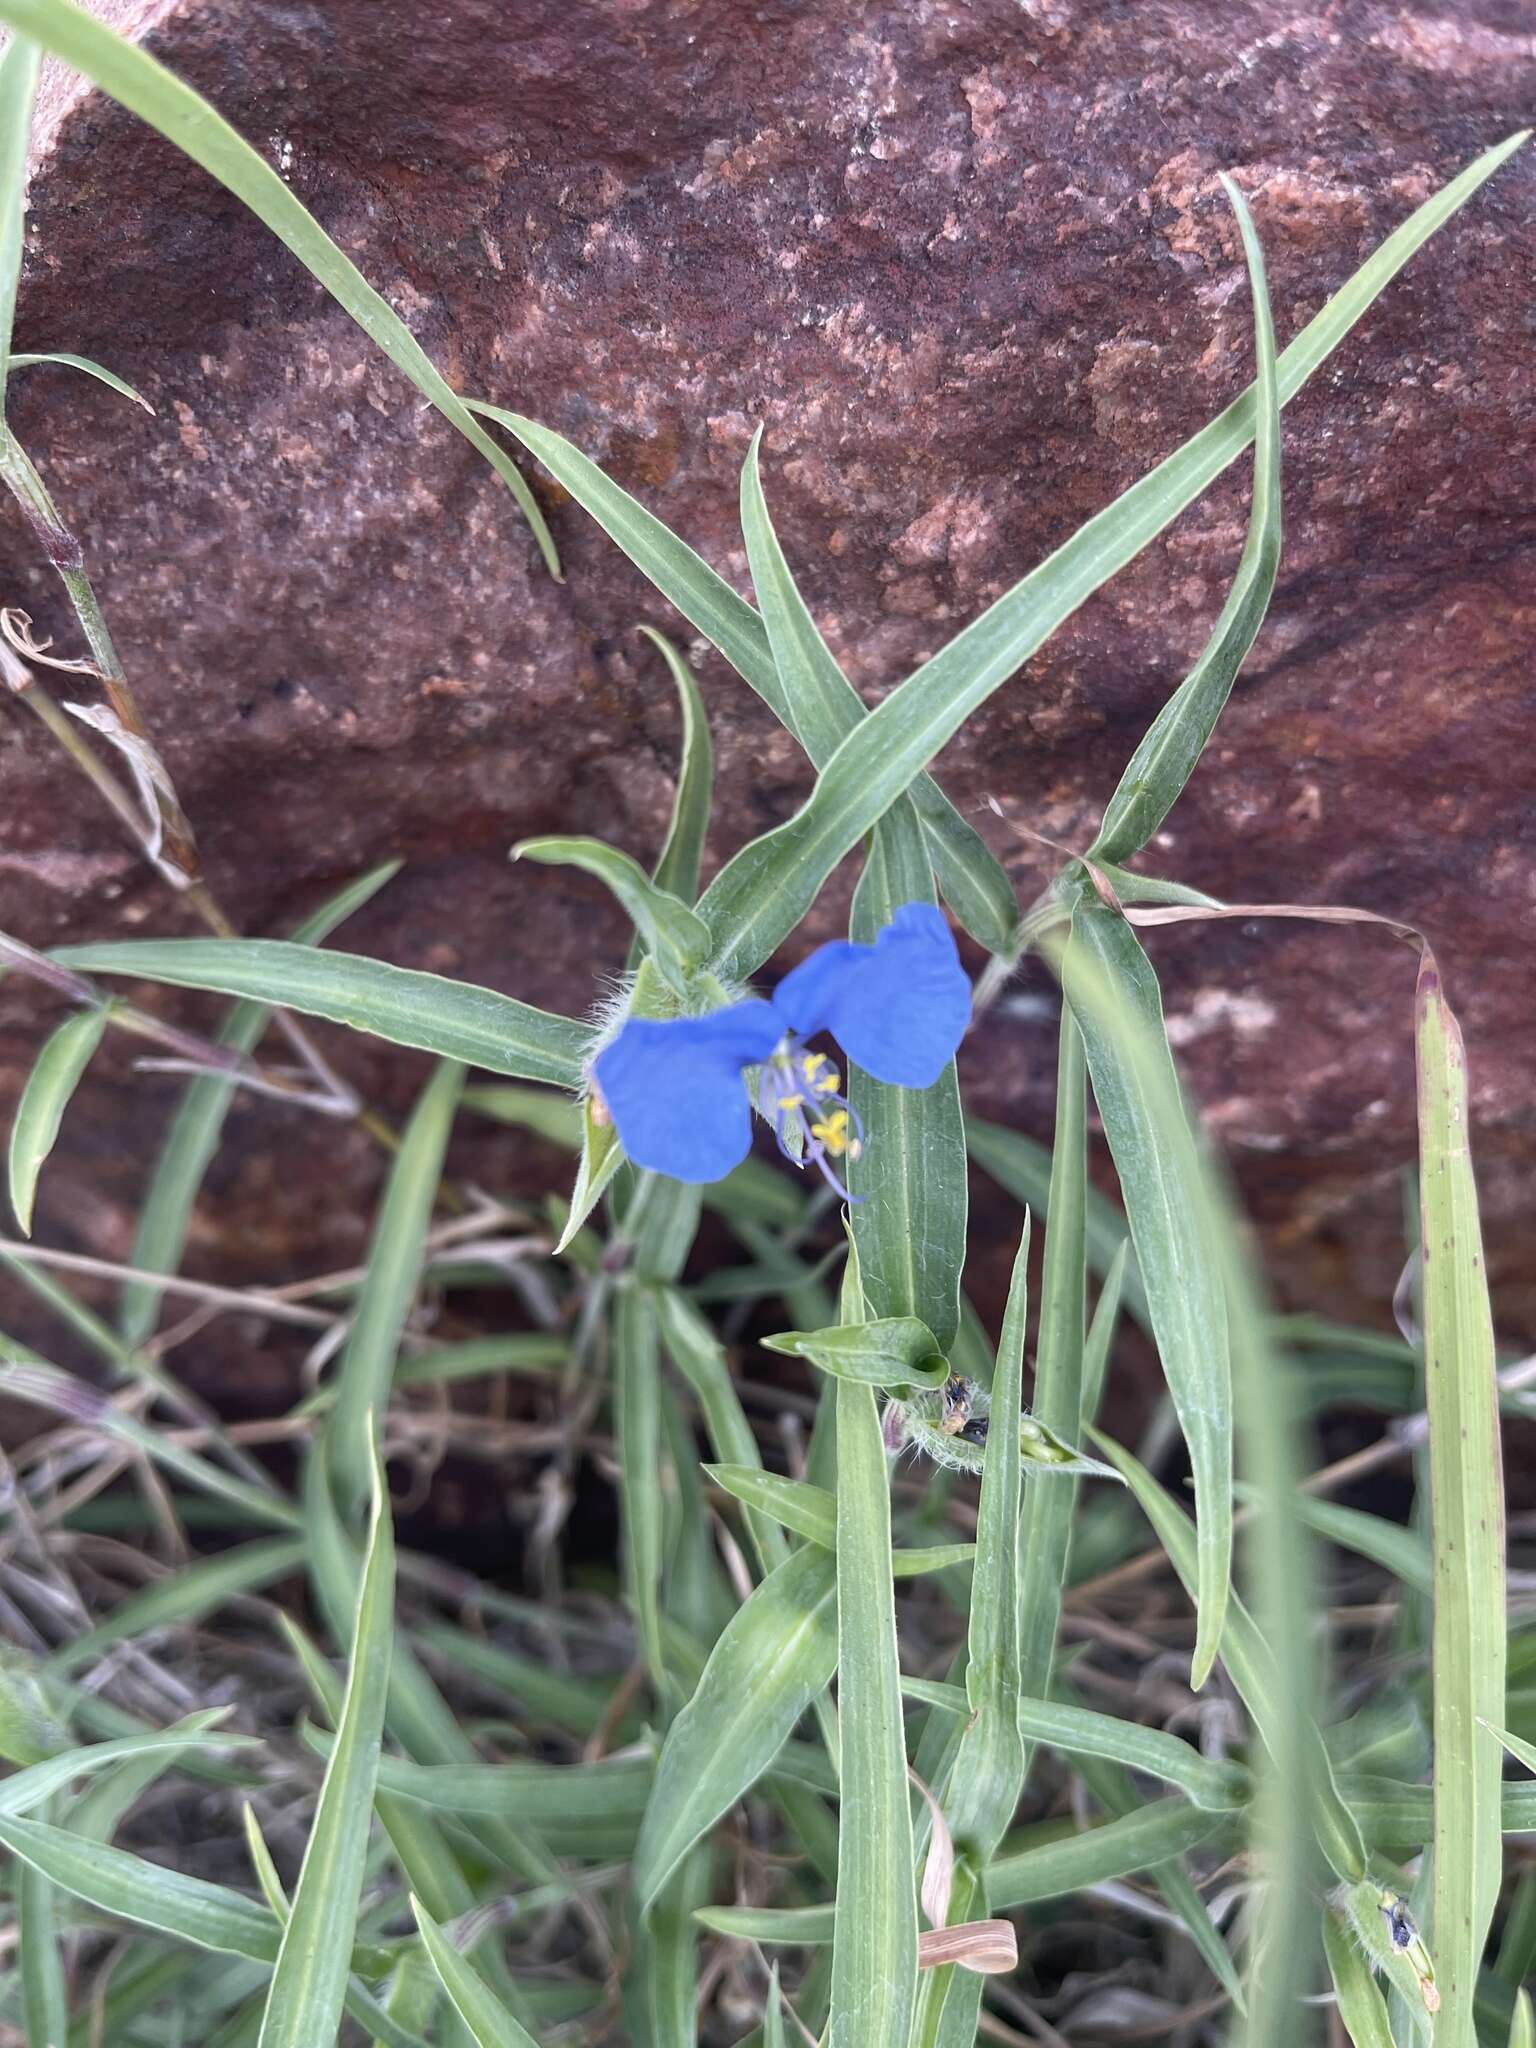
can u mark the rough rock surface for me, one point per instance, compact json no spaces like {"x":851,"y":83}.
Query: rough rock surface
{"x":971,"y":267}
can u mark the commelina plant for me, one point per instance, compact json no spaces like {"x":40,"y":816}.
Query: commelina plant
{"x":1339,"y":1848}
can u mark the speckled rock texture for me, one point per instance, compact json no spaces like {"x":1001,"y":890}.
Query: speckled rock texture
{"x":970,"y":266}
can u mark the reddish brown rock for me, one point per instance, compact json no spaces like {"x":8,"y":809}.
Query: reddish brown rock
{"x":971,"y":266}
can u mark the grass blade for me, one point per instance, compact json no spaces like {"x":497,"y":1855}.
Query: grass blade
{"x":1467,"y":1493}
{"x":309,"y":1983}
{"x":193,"y":1136}
{"x":1154,"y":1154}
{"x":473,"y":2000}
{"x":988,"y":1773}
{"x":62,"y":360}
{"x":1361,"y":2005}
{"x":761,"y":895}
{"x":1138,"y":1841}
{"x":1247,"y":1658}
{"x":675,"y":938}
{"x":19,"y":64}
{"x":136,"y":81}
{"x":776,"y":1655}
{"x":973,"y":882}
{"x":874,"y":1951}
{"x":364,"y":1376}
{"x":53,"y":1080}
{"x":44,"y":1993}
{"x":683,"y":849}
{"x":183,"y":1596}
{"x":1176,"y":738}
{"x":637,"y":1424}
{"x":452,"y":1018}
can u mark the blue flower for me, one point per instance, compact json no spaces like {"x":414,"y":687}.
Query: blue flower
{"x":898,"y":1008}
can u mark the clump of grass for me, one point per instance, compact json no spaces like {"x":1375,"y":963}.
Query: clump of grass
{"x":277,"y":1782}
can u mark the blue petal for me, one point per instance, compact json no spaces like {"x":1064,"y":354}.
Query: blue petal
{"x":675,"y":1092}
{"x":898,"y":1008}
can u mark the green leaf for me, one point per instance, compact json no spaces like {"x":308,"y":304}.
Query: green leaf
{"x":1113,"y":994}
{"x":894,"y":1352}
{"x":19,"y":64}
{"x":54,"y":1077}
{"x":1252,"y":1668}
{"x":759,"y":897}
{"x":90,"y":369}
{"x":812,"y":1512}
{"x":988,"y":1773}
{"x":136,"y":81}
{"x":777,"y":1653}
{"x":874,"y":1947}
{"x":700,"y":1358}
{"x":193,"y":1137}
{"x":1522,"y":1752}
{"x":1522,"y":2028}
{"x":677,"y":940}
{"x":1077,"y":1731}
{"x":1138,"y":1841}
{"x":309,"y":1982}
{"x":1361,"y":2005}
{"x":973,"y":882}
{"x":683,"y":849}
{"x":44,"y":1990}
{"x":473,"y":2000}
{"x":909,"y":1175}
{"x":366,"y":1371}
{"x":1467,"y":1495}
{"x":1025,"y":1169}
{"x":182,"y":1597}
{"x":1058,"y":1398}
{"x":455,"y":1019}
{"x":637,"y":1425}
{"x":1176,"y":738}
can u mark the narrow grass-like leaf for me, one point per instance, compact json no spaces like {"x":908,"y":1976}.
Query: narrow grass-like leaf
{"x":473,"y":2000}
{"x":19,"y":64}
{"x":1078,"y":1731}
{"x":1248,"y":1659}
{"x":1138,"y":1841}
{"x":1522,"y":1752}
{"x":897,"y":1351}
{"x":38,"y":1782}
{"x":988,"y":1774}
{"x":1024,"y":1168}
{"x":1467,"y":1489}
{"x":675,"y":937}
{"x":1176,"y":738}
{"x":309,"y":1982}
{"x":366,"y":1371}
{"x":54,"y":1077}
{"x":1522,"y":2028}
{"x":183,"y":1596}
{"x":193,"y":1136}
{"x":134,"y":78}
{"x":455,"y":1019}
{"x":909,"y":1175}
{"x":777,"y":1653}
{"x":762,"y":894}
{"x":1362,"y":2008}
{"x":637,"y":1422}
{"x":699,"y":1357}
{"x":874,"y":1953}
{"x":416,"y":1715}
{"x":812,"y":1513}
{"x":1154,"y":1154}
{"x":974,"y":884}
{"x":63,"y":360}
{"x":1058,"y":1395}
{"x":44,"y":1992}
{"x":683,"y":849}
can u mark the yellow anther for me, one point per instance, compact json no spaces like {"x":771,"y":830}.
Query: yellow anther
{"x":791,"y":1102}
{"x":820,"y":1073}
{"x":833,"y":1133}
